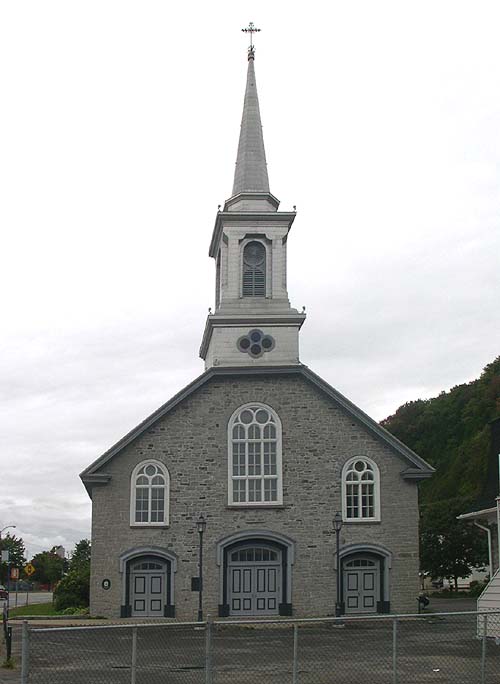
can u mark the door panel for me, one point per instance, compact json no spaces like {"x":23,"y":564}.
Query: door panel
{"x":261,"y":580}
{"x":272,"y":583}
{"x":247,"y":581}
{"x":352,"y":602}
{"x":368,"y":581}
{"x":236,"y":581}
{"x":352,"y":581}
{"x":369,"y":602}
{"x":156,"y":584}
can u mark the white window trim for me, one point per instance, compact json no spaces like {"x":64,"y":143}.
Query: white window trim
{"x":376,"y":491}
{"x":164,"y":469}
{"x":279,"y":462}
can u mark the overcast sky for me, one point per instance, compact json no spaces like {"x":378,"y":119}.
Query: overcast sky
{"x":119,"y":125}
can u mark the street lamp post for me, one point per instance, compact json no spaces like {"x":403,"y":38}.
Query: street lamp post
{"x":201,"y":524}
{"x":337,"y":526}
{"x":5,"y":528}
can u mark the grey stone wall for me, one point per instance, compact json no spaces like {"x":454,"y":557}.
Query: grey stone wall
{"x":318,"y":438}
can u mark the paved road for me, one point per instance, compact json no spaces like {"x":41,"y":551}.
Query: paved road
{"x":27,"y":598}
{"x":443,"y":605}
{"x":30,"y":597}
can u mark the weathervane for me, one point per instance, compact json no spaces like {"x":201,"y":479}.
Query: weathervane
{"x":251,"y":30}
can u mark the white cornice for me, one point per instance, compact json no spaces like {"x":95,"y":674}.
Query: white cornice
{"x":255,"y":217}
{"x":238,"y":320}
{"x":274,"y":201}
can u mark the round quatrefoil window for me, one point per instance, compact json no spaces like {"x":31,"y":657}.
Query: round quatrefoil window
{"x":256,"y":343}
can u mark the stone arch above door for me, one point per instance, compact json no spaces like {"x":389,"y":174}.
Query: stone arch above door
{"x":126,"y":561}
{"x":244,"y":539}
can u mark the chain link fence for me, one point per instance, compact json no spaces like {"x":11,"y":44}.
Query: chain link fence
{"x":397,"y":649}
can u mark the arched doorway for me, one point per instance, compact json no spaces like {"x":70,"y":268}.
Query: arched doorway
{"x":148,"y":582}
{"x":254,"y":579}
{"x":148,"y":586}
{"x":255,"y":574}
{"x":364,"y":579}
{"x":361,"y":581}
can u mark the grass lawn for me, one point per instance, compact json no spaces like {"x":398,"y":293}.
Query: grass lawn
{"x":35,"y":609}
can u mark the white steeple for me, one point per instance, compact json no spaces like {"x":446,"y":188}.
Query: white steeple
{"x":253,"y":323}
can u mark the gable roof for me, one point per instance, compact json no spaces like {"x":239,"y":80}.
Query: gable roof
{"x":417,"y":468}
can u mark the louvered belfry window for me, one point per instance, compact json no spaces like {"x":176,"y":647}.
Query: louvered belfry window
{"x":254,"y":270}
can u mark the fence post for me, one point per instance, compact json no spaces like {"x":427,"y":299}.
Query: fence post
{"x":208,"y":651}
{"x":295,"y":668}
{"x":133,"y":666}
{"x":25,"y":653}
{"x":8,"y":643}
{"x":483,"y":649}
{"x":395,"y":651}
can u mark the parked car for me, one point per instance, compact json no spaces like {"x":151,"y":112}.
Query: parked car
{"x":438,"y":583}
{"x":4,"y":594}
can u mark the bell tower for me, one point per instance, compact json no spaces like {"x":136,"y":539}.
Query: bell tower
{"x":253,"y":322}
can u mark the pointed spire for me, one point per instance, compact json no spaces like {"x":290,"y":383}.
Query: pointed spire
{"x":251,"y":170}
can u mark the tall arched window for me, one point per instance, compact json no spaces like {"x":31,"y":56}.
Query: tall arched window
{"x":254,"y":457}
{"x":360,"y":490}
{"x":254,"y":270}
{"x":149,"y":494}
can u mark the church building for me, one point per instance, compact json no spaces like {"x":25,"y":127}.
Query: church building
{"x":263,"y":449}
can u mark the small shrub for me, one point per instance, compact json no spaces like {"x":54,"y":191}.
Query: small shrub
{"x":476,"y":588}
{"x":73,"y":590}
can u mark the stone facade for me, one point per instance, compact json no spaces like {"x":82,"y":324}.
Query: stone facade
{"x":319,"y":436}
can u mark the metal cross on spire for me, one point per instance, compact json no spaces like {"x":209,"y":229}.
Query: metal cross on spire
{"x":251,"y":30}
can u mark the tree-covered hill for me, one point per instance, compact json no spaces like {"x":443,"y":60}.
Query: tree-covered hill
{"x":452,"y":432}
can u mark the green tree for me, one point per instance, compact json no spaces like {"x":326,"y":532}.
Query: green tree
{"x":49,"y":567}
{"x":81,"y":555}
{"x":73,"y":590}
{"x":451,"y":432}
{"x":17,"y":554}
{"x":449,"y":548}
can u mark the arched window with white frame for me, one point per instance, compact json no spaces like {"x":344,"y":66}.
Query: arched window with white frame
{"x":360,"y":490}
{"x":149,"y":494}
{"x":254,"y":456}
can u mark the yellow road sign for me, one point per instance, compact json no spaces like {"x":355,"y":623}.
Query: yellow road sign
{"x":29,"y":569}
